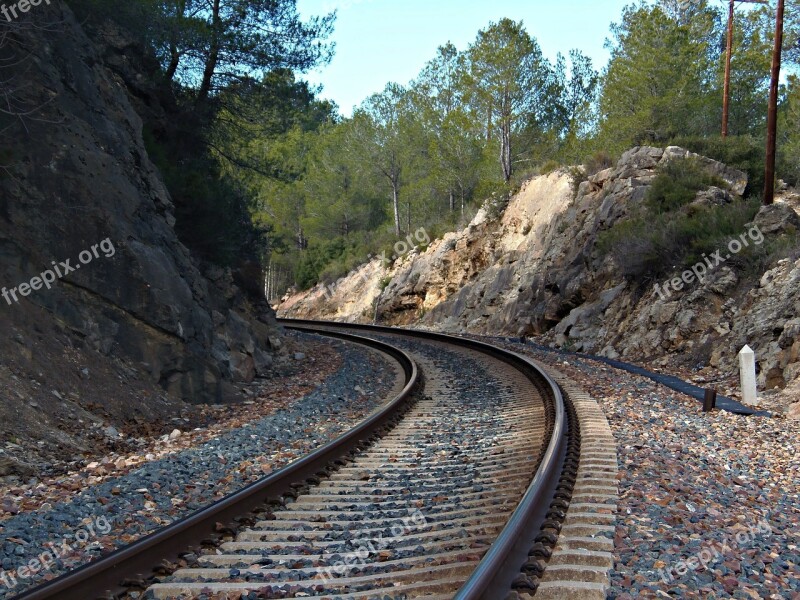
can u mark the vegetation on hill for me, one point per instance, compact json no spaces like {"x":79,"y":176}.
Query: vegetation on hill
{"x":260,"y":167}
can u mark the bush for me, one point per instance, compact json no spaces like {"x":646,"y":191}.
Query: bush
{"x":677,"y":185}
{"x":549,"y":166}
{"x":653,"y":245}
{"x":668,"y":233}
{"x":745,"y":153}
{"x":578,"y":175}
{"x":599,"y":161}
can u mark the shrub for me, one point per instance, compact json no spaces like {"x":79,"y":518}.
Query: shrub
{"x":745,"y":153}
{"x":599,"y":161}
{"x":667,"y":234}
{"x":677,"y":185}
{"x":549,"y":166}
{"x":578,"y":175}
{"x":652,"y":245}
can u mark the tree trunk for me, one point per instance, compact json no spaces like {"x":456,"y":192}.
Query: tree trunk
{"x":489,"y":123}
{"x":174,"y":53}
{"x":506,"y":111}
{"x":174,"y":61}
{"x":452,"y":201}
{"x":213,"y":54}
{"x":505,"y":151}
{"x":396,"y":206}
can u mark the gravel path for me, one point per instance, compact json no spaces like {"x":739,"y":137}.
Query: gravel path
{"x":121,"y":509}
{"x":709,"y":504}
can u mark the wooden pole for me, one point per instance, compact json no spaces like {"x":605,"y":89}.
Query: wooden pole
{"x":772,"y":111}
{"x":726,"y":100}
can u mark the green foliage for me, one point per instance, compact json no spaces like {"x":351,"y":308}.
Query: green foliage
{"x":511,"y":81}
{"x":316,"y":258}
{"x":210,"y":46}
{"x":657,"y":82}
{"x":655,"y":245}
{"x":668,"y":233}
{"x":251,"y":150}
{"x":745,"y":153}
{"x":549,"y":166}
{"x":677,"y":185}
{"x":750,"y":68}
{"x":789,"y":134}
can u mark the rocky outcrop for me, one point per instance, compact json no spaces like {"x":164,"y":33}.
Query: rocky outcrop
{"x":77,"y":173}
{"x":536,"y":271}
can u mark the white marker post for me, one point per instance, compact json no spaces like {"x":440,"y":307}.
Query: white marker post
{"x":747,"y":374}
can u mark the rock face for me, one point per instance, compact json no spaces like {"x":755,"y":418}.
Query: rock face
{"x":536,"y":271}
{"x":77,"y":175}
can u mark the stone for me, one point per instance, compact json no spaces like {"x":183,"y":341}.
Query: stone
{"x":776,"y":219}
{"x":263,"y":362}
{"x":713,"y":196}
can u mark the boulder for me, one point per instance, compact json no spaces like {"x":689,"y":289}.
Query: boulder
{"x":778,"y":218}
{"x":713,"y":196}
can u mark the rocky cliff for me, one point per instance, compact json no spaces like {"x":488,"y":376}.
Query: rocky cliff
{"x":76,"y":178}
{"x":536,"y":270}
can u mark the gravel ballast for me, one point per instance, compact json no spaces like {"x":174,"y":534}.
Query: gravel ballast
{"x":121,"y":509}
{"x":709,"y":503}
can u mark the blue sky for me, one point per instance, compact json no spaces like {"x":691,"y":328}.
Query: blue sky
{"x":378,"y":41}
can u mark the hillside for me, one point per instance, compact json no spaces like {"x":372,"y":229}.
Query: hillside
{"x":130,"y":325}
{"x":538,"y":270}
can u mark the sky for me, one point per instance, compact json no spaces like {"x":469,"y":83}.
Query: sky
{"x":378,"y":41}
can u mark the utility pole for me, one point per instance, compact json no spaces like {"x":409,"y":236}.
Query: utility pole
{"x":726,"y":100}
{"x":772,"y":112}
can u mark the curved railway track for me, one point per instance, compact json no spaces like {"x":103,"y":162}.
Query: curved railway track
{"x":456,"y":488}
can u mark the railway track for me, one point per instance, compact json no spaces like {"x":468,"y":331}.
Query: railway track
{"x":457,"y":488}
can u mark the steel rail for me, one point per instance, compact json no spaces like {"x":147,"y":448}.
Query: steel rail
{"x":503,"y":561}
{"x":104,"y":578}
